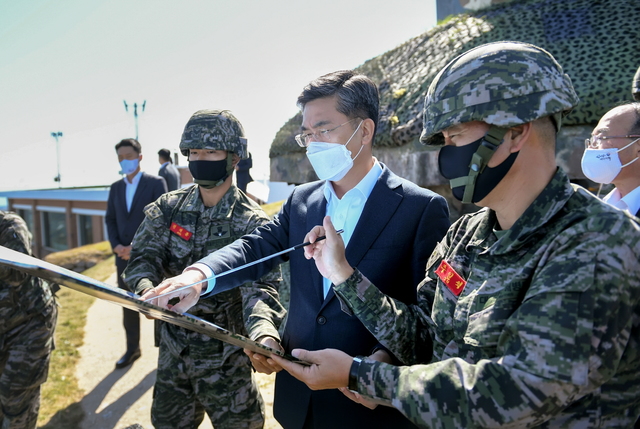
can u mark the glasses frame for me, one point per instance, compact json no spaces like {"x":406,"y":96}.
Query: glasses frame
{"x":589,"y":145}
{"x":303,"y":139}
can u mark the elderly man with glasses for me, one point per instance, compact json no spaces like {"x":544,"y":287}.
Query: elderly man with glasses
{"x":611,"y":153}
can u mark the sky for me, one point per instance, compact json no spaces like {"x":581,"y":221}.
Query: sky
{"x":68,"y":65}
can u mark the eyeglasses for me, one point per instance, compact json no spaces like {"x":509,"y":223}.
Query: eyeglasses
{"x":320,"y":135}
{"x":595,"y":142}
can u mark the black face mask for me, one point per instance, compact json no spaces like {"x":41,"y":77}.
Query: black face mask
{"x":455,"y":162}
{"x":209,"y":174}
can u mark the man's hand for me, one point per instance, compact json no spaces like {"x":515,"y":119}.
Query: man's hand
{"x":123,"y":252}
{"x":188,"y":297}
{"x":329,"y":369}
{"x":329,"y":253}
{"x":260,"y":362}
{"x":126,"y":253}
{"x":380,"y":356}
{"x":118,"y":250}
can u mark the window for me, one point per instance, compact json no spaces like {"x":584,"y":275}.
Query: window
{"x":85,"y":230}
{"x":27,"y":215}
{"x":54,"y":230}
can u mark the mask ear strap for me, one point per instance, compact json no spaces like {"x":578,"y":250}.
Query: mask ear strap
{"x":490,"y":142}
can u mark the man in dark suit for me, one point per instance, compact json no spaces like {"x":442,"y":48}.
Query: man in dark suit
{"x":387,"y":222}
{"x":127,"y":199}
{"x":168,"y":170}
{"x":243,"y":176}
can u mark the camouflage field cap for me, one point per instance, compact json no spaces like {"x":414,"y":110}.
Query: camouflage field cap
{"x":500,"y":83}
{"x":214,"y":129}
{"x":635,"y":87}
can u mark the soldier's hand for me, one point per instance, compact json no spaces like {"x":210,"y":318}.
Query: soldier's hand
{"x":329,"y":369}
{"x":261,"y":362}
{"x":329,"y":254}
{"x":187,"y":297}
{"x":380,"y":356}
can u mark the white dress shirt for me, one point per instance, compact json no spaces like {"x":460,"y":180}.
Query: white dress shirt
{"x":345,"y":212}
{"x":131,"y":188}
{"x":630,"y":202}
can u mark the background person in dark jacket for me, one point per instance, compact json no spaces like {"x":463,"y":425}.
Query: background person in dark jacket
{"x":168,"y":171}
{"x":243,"y":176}
{"x":127,"y":199}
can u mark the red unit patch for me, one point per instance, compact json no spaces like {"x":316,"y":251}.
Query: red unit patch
{"x":180,"y":231}
{"x":449,"y":277}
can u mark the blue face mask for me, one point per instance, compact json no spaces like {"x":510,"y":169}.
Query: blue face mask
{"x":128,"y":166}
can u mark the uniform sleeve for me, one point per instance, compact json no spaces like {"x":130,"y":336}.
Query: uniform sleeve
{"x":402,"y":329}
{"x":263,"y":313}
{"x":568,"y":337}
{"x":15,"y":236}
{"x":149,"y":251}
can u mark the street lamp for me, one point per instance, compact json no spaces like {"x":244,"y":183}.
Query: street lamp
{"x":56,"y":135}
{"x":135,"y":112}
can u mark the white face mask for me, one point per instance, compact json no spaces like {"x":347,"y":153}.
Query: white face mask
{"x":128,"y":166}
{"x":603,"y":165}
{"x":332,"y":161}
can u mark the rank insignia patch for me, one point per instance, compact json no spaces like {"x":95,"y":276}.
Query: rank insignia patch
{"x":449,"y":277}
{"x":220,"y":231}
{"x":180,"y":231}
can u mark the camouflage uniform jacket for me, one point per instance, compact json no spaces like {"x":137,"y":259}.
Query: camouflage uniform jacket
{"x":21,"y":295}
{"x":545,"y":332}
{"x":177,"y":231}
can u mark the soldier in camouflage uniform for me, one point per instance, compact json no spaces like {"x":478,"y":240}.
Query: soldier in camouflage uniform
{"x":530,"y":312}
{"x":197,"y":373}
{"x":27,"y":321}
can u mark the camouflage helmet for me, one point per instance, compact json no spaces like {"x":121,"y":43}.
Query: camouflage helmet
{"x":635,"y":87}
{"x":214,"y":129}
{"x":501,"y":83}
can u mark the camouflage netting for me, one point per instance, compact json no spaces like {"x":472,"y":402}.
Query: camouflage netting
{"x":596,"y":41}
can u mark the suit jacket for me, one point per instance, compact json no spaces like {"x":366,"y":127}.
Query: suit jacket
{"x":171,"y":175}
{"x":399,"y":227}
{"x":122,"y":224}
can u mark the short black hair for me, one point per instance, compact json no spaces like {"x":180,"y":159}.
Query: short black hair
{"x":165,"y":154}
{"x":357,"y":95}
{"x":130,"y":142}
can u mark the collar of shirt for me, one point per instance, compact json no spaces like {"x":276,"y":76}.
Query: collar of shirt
{"x":550,"y":201}
{"x":630,"y":202}
{"x":135,"y":181}
{"x":345,"y":212}
{"x":131,"y":189}
{"x":164,"y":163}
{"x":192,"y":202}
{"x":364,"y":187}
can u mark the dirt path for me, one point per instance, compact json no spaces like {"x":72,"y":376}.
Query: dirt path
{"x":119,"y":398}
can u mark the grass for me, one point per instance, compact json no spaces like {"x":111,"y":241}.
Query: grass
{"x":60,"y":404}
{"x":272,"y":209}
